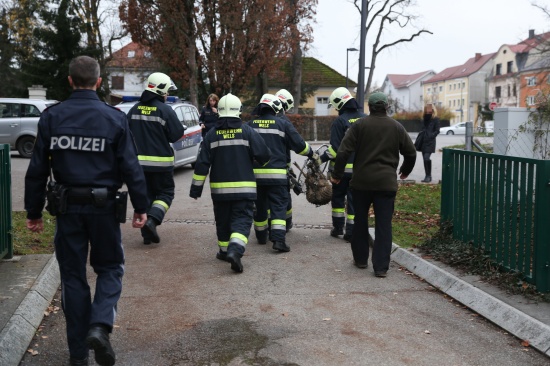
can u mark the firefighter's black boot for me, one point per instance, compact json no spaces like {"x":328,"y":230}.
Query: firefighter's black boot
{"x":336,"y":231}
{"x":281,"y":246}
{"x":234,"y":255}
{"x":150,"y":229}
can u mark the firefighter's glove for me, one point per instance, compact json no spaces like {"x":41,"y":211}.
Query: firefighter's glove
{"x":315,"y":157}
{"x":291,"y":172}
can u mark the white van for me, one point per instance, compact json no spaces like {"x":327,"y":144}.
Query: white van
{"x":19,"y":121}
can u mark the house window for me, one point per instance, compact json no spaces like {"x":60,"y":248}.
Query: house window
{"x":509,"y":91}
{"x":322,"y":100}
{"x":497,"y":92}
{"x":131,"y":54}
{"x":514,"y":90}
{"x":531,"y":100}
{"x":498,"y":70}
{"x":463,"y":85}
{"x":449,"y":104}
{"x":509,"y":67}
{"x":421,"y":98}
{"x":454,"y":86}
{"x":454,"y":102}
{"x":147,"y":54}
{"x":450,"y":87}
{"x":439,"y":104}
{"x":429,"y":90}
{"x":531,"y":81}
{"x":117,"y":82}
{"x":440,"y":88}
{"x":462,"y":101}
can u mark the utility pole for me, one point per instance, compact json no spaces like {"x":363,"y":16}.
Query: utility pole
{"x":361,"y":82}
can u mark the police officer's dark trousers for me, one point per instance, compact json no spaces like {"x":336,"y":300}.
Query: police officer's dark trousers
{"x":383,"y":203}
{"x":233,"y":222}
{"x":160,"y":190}
{"x":342,"y":205}
{"x":73,"y":233}
{"x":273,"y":198}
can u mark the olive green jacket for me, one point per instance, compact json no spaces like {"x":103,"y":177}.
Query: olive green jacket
{"x":377,"y":141}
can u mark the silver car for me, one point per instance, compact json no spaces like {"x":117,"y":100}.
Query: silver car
{"x":19,"y":121}
{"x":186,"y":149}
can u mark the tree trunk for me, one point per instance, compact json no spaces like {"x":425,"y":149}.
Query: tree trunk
{"x":296,"y":89}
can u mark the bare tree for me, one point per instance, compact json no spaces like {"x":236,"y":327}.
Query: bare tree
{"x":382,"y":15}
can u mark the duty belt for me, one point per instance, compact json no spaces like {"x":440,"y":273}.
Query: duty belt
{"x":89,"y":195}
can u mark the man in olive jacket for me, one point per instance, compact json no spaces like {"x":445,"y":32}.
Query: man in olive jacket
{"x":377,"y":141}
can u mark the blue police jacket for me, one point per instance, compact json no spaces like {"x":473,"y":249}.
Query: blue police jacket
{"x":228,"y":152}
{"x":87,"y":143}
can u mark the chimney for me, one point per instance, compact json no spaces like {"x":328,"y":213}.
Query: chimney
{"x":531,"y":33}
{"x":478,"y":56}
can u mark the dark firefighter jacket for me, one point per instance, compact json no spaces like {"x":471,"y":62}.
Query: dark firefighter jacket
{"x":154,"y":125}
{"x":279,"y":135}
{"x":228,"y":151}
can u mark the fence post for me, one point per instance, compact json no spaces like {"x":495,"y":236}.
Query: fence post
{"x":315,"y":129}
{"x":446,"y":185}
{"x":469,"y":136}
{"x":542,"y":234}
{"x":6,"y":238}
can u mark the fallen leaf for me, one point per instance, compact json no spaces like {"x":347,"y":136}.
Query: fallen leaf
{"x":44,"y":337}
{"x":326,"y":319}
{"x":331,"y":295}
{"x":525,"y":343}
{"x":427,"y":332}
{"x":337,"y":270}
{"x":284,"y":314}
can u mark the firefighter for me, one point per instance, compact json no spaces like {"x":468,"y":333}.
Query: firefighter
{"x":342,"y":207}
{"x":155,"y":125}
{"x":287,"y":101}
{"x":279,"y":135}
{"x":227,"y":152}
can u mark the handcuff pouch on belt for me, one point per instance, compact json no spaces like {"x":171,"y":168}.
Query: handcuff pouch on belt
{"x":121,"y":202}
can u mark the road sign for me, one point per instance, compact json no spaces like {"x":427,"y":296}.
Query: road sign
{"x":492,"y":106}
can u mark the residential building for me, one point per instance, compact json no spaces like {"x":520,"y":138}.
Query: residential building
{"x":129,"y":69}
{"x":406,"y":91}
{"x":317,"y":78}
{"x":504,"y":82}
{"x":534,"y":81}
{"x":461,"y":88}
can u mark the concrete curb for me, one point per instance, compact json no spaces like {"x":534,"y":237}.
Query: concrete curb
{"x":512,"y":320}
{"x":20,"y":329}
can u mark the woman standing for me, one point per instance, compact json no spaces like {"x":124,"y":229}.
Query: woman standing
{"x":209,"y":114}
{"x":430,"y":128}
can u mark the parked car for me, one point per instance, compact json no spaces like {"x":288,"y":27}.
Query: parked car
{"x":19,"y":122}
{"x":186,"y":149}
{"x":457,"y":129}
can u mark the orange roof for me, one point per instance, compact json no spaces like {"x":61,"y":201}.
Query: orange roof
{"x":133,"y":55}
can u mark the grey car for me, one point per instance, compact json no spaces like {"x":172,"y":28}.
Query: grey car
{"x":19,"y":121}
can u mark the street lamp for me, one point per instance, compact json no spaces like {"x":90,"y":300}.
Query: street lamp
{"x":347,"y":55}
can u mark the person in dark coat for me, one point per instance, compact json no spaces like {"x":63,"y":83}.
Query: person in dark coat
{"x":430,"y":127}
{"x":209,"y":114}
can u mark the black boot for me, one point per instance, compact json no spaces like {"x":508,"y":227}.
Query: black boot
{"x":98,"y":340}
{"x":281,"y":246}
{"x":428,"y":169}
{"x":234,"y":255}
{"x":150,"y":228}
{"x":335,"y":231}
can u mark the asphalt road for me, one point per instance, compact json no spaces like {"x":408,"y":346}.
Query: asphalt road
{"x":311,"y":306}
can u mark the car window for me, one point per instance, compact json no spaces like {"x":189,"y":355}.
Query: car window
{"x":29,"y":110}
{"x":9,"y":110}
{"x":188,"y":117}
{"x":179,"y":113}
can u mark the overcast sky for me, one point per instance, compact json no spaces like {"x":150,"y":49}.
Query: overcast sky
{"x":460,"y":29}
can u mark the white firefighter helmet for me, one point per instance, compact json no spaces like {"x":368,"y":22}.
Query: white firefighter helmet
{"x":339,"y":97}
{"x":286,"y":99}
{"x":272,"y":101}
{"x":229,"y":106}
{"x":160,"y":83}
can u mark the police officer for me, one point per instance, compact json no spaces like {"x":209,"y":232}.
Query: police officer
{"x":279,"y":135}
{"x":342,"y":204}
{"x":155,"y":125}
{"x":287,"y":102}
{"x":89,"y":148}
{"x":227,"y":152}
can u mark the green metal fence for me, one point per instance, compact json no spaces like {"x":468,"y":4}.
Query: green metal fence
{"x":6,"y":241}
{"x":502,"y":205}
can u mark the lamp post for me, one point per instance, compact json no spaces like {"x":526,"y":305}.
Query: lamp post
{"x":347,"y":54}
